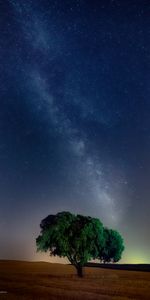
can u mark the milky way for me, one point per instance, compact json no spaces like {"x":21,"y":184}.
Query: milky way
{"x":74,"y":118}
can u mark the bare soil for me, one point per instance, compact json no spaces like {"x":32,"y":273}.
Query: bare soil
{"x":39,"y":280}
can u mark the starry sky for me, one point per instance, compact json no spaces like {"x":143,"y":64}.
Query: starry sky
{"x":74,"y":119}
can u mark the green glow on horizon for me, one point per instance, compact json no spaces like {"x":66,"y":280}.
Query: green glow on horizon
{"x":136,"y":257}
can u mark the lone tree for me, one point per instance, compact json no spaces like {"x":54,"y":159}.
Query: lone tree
{"x":113,"y":246}
{"x":77,"y":237}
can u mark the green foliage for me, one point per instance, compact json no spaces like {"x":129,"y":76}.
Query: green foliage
{"x":113,"y":247}
{"x":79,"y":238}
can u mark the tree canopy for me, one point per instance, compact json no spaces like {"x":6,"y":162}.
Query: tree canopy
{"x":79,"y":238}
{"x":113,"y":246}
{"x":76,"y":237}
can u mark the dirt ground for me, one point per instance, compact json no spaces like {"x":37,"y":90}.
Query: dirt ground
{"x":31,"y":280}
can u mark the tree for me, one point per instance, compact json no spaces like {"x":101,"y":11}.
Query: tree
{"x":113,"y":246}
{"x":79,"y":238}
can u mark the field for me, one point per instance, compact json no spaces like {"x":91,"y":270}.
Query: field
{"x":39,"y":280}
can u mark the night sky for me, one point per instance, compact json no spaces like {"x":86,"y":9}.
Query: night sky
{"x":74,"y":119}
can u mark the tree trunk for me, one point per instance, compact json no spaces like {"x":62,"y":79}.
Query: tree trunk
{"x":79,"y":271}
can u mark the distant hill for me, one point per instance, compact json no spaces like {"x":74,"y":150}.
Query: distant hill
{"x":129,"y":267}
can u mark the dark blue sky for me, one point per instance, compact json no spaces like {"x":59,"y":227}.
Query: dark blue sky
{"x":74,"y":118}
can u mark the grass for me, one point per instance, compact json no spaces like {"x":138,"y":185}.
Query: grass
{"x":39,"y":280}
